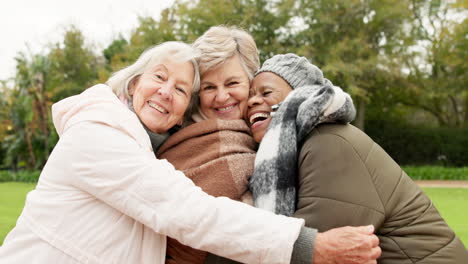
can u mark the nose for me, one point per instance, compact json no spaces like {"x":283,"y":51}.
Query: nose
{"x":166,"y":90}
{"x":254,"y":100}
{"x":222,"y":95}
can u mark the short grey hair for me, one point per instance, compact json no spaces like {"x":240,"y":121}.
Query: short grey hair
{"x":220,"y":43}
{"x":172,"y":50}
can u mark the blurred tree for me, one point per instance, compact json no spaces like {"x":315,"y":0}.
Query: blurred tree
{"x":115,"y":55}
{"x":399,"y":59}
{"x":41,"y":80}
{"x":5,"y":122}
{"x":438,"y":68}
{"x":187,"y":20}
{"x":28,"y":112}
{"x":74,"y":67}
{"x":352,"y":41}
{"x":263,"y":19}
{"x":149,"y":32}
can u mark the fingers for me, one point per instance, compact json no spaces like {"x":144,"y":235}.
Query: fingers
{"x":366,"y":230}
{"x":347,"y":245}
{"x":376,"y":252}
{"x":369,"y":229}
{"x":374,"y":241}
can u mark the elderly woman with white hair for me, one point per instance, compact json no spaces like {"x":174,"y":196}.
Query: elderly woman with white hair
{"x":217,"y":151}
{"x":103,"y":196}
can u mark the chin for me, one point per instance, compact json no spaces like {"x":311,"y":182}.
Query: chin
{"x":154,"y":129}
{"x":258,"y":137}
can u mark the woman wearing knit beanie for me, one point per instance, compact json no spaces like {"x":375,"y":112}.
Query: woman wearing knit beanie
{"x":313,"y":164}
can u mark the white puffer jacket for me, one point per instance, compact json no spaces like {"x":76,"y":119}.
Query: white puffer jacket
{"x":103,"y":197}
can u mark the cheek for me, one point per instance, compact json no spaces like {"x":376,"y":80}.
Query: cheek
{"x":139,"y":96}
{"x":271,"y":101}
{"x":137,"y":102}
{"x":205,"y":100}
{"x":242,"y":95}
{"x":181,"y":107}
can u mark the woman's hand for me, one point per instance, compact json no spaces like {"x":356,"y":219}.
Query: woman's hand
{"x":350,"y":245}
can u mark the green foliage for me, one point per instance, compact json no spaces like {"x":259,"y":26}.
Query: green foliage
{"x":73,"y":65}
{"x":116,"y":47}
{"x":437,"y":68}
{"x":18,"y":141}
{"x":41,"y":79}
{"x":436,"y":173}
{"x":353,"y":42}
{"x":411,"y":145}
{"x":19,"y":176}
{"x":415,"y":172}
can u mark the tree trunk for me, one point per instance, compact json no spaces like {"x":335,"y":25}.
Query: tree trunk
{"x":41,"y":110}
{"x":361,"y":114}
{"x":32,"y":162}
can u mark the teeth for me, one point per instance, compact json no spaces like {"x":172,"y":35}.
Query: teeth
{"x":252,"y":117}
{"x":226,"y":108}
{"x":157,"y":107}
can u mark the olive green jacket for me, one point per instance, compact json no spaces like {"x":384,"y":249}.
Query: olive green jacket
{"x":346,"y":179}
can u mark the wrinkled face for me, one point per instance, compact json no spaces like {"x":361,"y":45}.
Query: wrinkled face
{"x":161,"y":95}
{"x":224,"y":91}
{"x":267,"y":90}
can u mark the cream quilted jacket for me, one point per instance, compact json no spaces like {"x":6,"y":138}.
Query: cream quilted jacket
{"x":103,"y":197}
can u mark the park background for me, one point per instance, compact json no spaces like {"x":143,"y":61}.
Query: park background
{"x":404,"y":63}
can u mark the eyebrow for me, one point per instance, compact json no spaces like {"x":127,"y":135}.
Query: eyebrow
{"x":206,"y":83}
{"x":182,"y":82}
{"x":227,"y":80}
{"x":266,"y":86}
{"x":263,"y":87}
{"x":162,"y":66}
{"x":233,"y":78}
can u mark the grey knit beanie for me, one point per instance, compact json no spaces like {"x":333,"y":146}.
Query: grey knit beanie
{"x":296,"y":71}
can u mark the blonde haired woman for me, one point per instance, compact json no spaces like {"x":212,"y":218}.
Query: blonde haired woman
{"x":217,"y":152}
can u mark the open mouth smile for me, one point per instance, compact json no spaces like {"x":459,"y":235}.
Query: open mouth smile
{"x":258,"y":117}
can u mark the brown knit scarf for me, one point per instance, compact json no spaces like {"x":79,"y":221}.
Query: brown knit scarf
{"x":218,"y":156}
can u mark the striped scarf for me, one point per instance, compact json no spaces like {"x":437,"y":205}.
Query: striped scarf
{"x":274,"y":181}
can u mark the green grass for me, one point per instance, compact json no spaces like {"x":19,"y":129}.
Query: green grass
{"x":12,"y":197}
{"x":451,"y":203}
{"x":453,"y":206}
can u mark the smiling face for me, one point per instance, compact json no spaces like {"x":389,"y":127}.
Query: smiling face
{"x":224,"y":91}
{"x":162,"y":94}
{"x":267,"y":90}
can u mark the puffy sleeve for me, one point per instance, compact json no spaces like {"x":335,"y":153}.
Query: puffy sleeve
{"x":335,"y":187}
{"x":110,"y":165}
